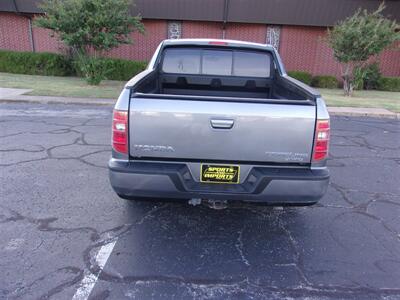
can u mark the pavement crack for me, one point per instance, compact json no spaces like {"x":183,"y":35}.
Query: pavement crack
{"x":111,"y":235}
{"x":76,"y":273}
{"x":239,"y":246}
{"x":297,"y":257}
{"x":44,"y":224}
{"x":343,"y":193}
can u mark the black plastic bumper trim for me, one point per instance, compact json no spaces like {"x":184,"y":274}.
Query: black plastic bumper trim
{"x":180,"y":175}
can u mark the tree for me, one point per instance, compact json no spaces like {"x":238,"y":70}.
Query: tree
{"x":89,"y":28}
{"x":358,"y":38}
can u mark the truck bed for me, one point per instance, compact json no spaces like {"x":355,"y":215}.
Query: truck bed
{"x":278,"y":88}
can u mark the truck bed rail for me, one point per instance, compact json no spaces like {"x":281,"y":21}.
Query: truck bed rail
{"x":222,"y":99}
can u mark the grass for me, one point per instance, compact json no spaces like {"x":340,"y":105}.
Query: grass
{"x":77,"y":87}
{"x":61,"y":86}
{"x":376,"y":99}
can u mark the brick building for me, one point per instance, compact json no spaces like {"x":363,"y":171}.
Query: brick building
{"x":295,"y":27}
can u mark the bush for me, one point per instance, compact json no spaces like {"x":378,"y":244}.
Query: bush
{"x":367,"y":77}
{"x":35,"y":63}
{"x":120,"y":69}
{"x":326,"y":82}
{"x":58,"y":65}
{"x":301,"y":76}
{"x":91,"y":68}
{"x":358,"y":81}
{"x":114,"y":69}
{"x":391,"y":84}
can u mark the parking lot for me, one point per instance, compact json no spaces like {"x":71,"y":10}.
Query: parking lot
{"x":64,"y":233}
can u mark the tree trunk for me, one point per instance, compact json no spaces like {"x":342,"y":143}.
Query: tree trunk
{"x":347,"y":81}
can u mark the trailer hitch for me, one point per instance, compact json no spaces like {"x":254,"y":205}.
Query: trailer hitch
{"x":214,"y":204}
{"x":217,"y":204}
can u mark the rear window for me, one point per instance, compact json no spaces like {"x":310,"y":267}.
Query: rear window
{"x":251,"y":64}
{"x":216,"y":62}
{"x":183,"y":61}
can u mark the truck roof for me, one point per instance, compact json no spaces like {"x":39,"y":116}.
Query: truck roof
{"x":232,"y":43}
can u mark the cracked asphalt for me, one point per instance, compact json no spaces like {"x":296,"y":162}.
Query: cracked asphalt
{"x":57,"y":210}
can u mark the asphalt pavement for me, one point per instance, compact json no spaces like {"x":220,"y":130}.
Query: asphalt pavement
{"x":64,"y":234}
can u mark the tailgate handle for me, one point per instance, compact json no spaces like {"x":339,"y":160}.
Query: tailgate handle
{"x":221,"y":124}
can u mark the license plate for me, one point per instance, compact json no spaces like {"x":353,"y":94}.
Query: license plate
{"x":219,"y":174}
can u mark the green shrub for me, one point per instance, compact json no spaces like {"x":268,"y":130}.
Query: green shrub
{"x":120,"y":69}
{"x":358,"y":81}
{"x":301,"y":76}
{"x":93,"y":69}
{"x":58,"y":65}
{"x":116,"y":69}
{"x":325,"y":81}
{"x":367,"y":77}
{"x":391,"y":84}
{"x":35,"y":63}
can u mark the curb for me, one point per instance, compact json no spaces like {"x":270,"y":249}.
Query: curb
{"x":363,"y":112}
{"x":58,"y":100}
{"x":333,"y":111}
{"x":393,"y":116}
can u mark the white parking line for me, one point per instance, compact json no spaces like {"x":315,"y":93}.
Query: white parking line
{"x":89,"y":279}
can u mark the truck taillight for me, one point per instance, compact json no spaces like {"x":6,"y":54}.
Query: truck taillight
{"x":321,"y":143}
{"x":120,"y":131}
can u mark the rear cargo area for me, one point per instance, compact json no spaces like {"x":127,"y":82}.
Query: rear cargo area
{"x":221,"y":86}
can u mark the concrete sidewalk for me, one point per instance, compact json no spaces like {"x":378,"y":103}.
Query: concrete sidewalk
{"x":10,"y":93}
{"x":57,"y":100}
{"x":16,"y":96}
{"x":363,"y":111}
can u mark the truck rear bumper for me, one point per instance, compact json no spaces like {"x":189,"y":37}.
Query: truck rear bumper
{"x":271,"y":185}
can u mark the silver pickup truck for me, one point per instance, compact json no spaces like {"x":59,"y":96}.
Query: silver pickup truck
{"x":219,"y":120}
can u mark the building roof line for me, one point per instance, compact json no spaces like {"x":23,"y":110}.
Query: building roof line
{"x":282,"y":12}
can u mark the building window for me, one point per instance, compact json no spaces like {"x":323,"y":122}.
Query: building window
{"x":174,"y":30}
{"x":273,"y":34}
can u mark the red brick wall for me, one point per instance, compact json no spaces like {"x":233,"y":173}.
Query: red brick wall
{"x":390,"y":61}
{"x":298,"y":47}
{"x":143,"y":45}
{"x":14,"y":35}
{"x":14,"y":32}
{"x":324,"y":62}
{"x":44,"y":42}
{"x":256,"y":33}
{"x":192,"y":29}
{"x":234,"y":31}
{"x":302,"y":48}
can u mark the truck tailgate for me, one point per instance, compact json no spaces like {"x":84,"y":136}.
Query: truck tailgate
{"x":221,"y":131}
